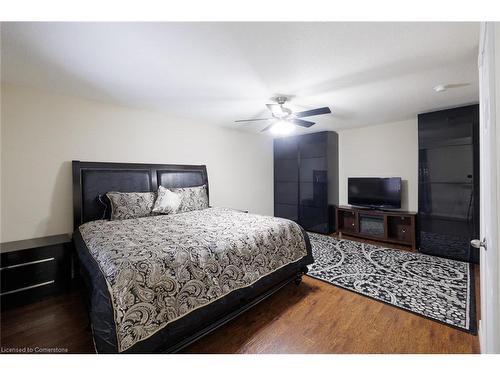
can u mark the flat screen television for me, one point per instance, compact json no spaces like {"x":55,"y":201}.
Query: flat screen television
{"x":384,"y":193}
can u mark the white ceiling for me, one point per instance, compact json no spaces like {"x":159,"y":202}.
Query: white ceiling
{"x":368,"y":73}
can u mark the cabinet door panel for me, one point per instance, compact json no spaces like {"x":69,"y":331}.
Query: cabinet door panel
{"x":313,"y":149}
{"x":314,"y":218}
{"x":448,"y":170}
{"x":313,"y":194}
{"x":286,"y":170}
{"x":448,"y":127}
{"x":451,"y":201}
{"x":286,"y":148}
{"x":441,"y":164}
{"x":313,"y":170}
{"x":286,"y":211}
{"x":286,"y":192}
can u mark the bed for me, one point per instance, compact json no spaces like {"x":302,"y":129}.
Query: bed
{"x":158,"y":283}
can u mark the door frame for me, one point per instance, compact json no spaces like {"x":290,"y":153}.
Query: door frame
{"x":489,"y":81}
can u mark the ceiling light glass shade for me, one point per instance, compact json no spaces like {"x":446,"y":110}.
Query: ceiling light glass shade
{"x":282,"y":128}
{"x":277,"y":110}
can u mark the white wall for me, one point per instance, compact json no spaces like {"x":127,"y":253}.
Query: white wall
{"x":42,"y":132}
{"x":388,"y":150}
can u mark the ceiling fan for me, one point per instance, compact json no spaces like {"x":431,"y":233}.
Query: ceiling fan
{"x":286,"y":118}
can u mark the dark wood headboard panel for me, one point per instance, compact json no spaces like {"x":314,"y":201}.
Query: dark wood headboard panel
{"x":91,"y":179}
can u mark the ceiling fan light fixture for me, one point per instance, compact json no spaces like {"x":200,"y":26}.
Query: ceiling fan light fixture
{"x":286,"y":119}
{"x":282,"y":128}
{"x":278,"y":111}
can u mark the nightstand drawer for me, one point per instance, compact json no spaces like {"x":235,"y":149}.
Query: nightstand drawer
{"x":28,"y":274}
{"x":33,"y":269}
{"x":25,"y":256}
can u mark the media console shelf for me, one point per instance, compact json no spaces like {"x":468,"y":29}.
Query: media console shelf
{"x":386,"y":226}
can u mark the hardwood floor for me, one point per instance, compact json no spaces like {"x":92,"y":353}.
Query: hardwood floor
{"x":314,"y":317}
{"x":57,"y":322}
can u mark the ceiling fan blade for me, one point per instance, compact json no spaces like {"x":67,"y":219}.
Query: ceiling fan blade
{"x":313,"y":112}
{"x":267,"y":128}
{"x":303,"y":123}
{"x":255,"y":119}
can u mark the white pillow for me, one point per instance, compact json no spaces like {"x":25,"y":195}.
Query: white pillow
{"x":167,"y":202}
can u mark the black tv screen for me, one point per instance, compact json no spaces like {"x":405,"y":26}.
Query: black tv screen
{"x":374,"y":192}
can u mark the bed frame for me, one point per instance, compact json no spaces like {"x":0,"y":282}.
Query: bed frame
{"x":91,"y":180}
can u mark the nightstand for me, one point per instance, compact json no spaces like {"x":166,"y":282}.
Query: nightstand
{"x":35,"y":268}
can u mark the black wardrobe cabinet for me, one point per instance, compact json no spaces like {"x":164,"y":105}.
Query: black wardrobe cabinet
{"x":306,"y":180}
{"x":448,"y":176}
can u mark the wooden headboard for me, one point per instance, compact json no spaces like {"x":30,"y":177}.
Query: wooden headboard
{"x":92,"y":179}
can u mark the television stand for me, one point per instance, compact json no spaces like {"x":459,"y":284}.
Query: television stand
{"x":396,"y":227}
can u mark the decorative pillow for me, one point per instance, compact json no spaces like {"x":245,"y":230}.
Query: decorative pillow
{"x":130,"y":205}
{"x":192,"y":198}
{"x":167,"y":202}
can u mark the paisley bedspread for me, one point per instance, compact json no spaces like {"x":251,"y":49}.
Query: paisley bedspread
{"x":160,"y":268}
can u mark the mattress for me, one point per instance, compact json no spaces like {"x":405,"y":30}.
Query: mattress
{"x":148,"y":274}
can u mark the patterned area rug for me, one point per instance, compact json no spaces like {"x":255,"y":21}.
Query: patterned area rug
{"x":436,"y":288}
